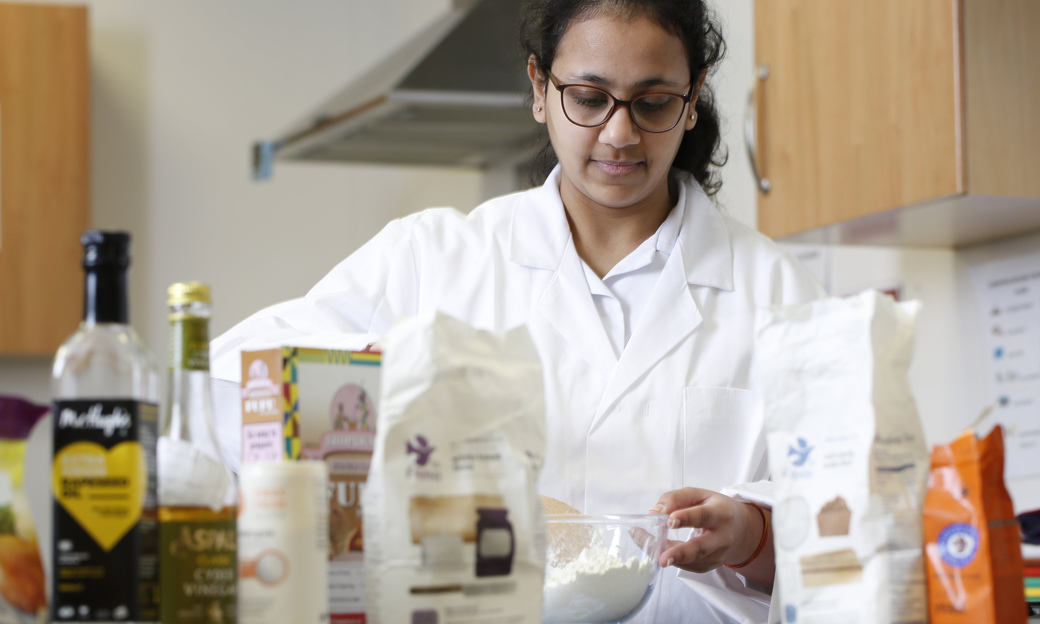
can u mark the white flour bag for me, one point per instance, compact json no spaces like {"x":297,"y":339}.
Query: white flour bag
{"x":454,"y":530}
{"x":848,"y":456}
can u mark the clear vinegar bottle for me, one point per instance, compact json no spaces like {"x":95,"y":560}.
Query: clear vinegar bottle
{"x":105,"y":386}
{"x":197,"y":491}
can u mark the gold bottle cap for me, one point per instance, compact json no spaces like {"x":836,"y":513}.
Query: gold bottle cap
{"x":185,"y":293}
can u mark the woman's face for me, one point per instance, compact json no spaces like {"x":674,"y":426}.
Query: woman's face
{"x":615,"y":165}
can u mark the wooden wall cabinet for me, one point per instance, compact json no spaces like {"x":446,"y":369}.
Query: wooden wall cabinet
{"x":911,"y":122}
{"x":44,"y":173}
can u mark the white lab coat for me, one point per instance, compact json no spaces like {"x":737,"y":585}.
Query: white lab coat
{"x":678,"y":408}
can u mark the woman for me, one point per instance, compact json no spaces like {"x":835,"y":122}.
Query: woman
{"x":638,"y":292}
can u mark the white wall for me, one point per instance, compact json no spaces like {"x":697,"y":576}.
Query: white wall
{"x":738,"y":195}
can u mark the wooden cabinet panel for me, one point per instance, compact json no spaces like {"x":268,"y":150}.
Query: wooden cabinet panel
{"x":873,"y":107}
{"x":1002,"y":97}
{"x":44,"y":173}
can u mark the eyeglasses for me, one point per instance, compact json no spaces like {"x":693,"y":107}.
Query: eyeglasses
{"x":590,"y":107}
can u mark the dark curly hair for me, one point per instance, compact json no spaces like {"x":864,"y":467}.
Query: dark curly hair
{"x":544,"y":22}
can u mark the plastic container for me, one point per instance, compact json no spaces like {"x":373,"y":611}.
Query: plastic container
{"x":283,"y":543}
{"x":602,"y":569}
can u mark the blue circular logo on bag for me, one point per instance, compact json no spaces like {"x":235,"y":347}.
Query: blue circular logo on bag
{"x":958,"y":544}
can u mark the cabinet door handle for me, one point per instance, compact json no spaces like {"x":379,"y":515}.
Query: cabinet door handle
{"x":750,"y":115}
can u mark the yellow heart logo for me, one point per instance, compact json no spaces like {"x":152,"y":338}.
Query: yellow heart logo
{"x":102,"y":489}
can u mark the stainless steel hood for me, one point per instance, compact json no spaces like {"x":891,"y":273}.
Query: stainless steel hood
{"x":454,"y":95}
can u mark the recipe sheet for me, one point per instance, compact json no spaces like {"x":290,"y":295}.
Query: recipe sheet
{"x":1008,"y":296}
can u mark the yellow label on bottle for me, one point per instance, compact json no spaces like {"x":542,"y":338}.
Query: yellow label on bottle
{"x":102,"y":489}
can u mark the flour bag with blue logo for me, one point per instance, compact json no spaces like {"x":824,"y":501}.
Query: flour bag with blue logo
{"x":849,"y":460}
{"x":454,"y":530}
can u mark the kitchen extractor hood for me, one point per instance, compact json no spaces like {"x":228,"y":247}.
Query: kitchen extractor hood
{"x":454,"y":95}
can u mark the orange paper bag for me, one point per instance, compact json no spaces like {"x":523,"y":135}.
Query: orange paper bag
{"x":973,"y":549}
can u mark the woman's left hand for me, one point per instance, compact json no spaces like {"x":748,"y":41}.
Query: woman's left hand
{"x":730,"y":531}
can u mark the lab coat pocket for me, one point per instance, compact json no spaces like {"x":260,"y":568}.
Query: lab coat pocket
{"x":723,"y":440}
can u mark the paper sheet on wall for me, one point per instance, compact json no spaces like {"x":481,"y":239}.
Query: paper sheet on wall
{"x":816,"y":258}
{"x":1008,"y":296}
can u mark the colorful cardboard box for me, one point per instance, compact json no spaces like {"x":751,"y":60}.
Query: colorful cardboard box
{"x":302,"y":403}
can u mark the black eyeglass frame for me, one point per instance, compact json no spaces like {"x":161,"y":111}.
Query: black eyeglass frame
{"x":617,"y":102}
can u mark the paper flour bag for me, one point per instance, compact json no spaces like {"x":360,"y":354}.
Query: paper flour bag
{"x":453,"y":521}
{"x":848,"y":456}
{"x":973,"y":543}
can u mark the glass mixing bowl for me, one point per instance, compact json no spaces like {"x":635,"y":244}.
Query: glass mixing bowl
{"x":602,"y":569}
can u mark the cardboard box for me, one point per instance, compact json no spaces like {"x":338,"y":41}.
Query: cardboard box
{"x":300,"y":403}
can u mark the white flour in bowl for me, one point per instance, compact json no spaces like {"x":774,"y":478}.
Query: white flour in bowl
{"x":595,"y":587}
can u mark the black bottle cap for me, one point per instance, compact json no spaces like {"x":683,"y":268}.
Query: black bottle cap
{"x":105,"y":249}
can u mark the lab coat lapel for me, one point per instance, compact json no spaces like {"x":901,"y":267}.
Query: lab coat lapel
{"x":701,"y":256}
{"x":540,"y":238}
{"x":670,"y":316}
{"x":567,"y":304}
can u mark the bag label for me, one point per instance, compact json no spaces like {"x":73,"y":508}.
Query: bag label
{"x":958,"y":544}
{"x":189,"y":344}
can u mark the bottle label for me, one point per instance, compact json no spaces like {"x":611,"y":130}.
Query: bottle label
{"x":190,"y":477}
{"x":199,"y":565}
{"x":104,"y":490}
{"x":189,"y":344}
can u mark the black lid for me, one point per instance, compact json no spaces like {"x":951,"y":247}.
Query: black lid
{"x":105,"y":249}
